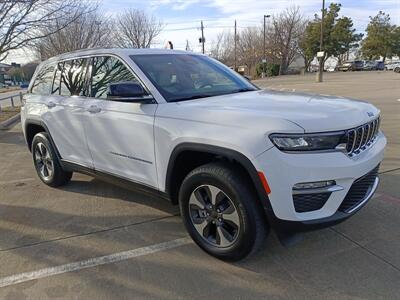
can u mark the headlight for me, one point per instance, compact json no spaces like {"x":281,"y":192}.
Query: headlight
{"x":309,"y":142}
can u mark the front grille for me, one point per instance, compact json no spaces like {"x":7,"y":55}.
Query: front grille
{"x":358,"y":139}
{"x":359,"y":190}
{"x":310,"y":202}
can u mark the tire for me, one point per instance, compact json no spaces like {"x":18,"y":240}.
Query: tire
{"x":45,"y":158}
{"x":243,"y":228}
{"x":397,"y":70}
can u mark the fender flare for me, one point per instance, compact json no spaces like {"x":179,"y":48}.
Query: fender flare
{"x":46,"y":129}
{"x":226,"y":153}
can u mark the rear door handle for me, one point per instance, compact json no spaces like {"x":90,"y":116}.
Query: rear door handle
{"x":51,"y":104}
{"x":94,"y":109}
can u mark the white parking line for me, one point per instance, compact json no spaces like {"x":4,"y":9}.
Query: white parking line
{"x":16,"y":181}
{"x":92,"y":262}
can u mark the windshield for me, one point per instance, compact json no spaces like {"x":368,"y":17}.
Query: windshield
{"x":180,"y":77}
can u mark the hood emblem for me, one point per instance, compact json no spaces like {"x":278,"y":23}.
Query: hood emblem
{"x":370,"y":114}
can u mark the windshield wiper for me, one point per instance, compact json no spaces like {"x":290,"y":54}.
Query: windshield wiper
{"x":243,"y":90}
{"x":211,"y":95}
{"x":191,"y":97}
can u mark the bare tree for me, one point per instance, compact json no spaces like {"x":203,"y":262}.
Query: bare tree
{"x":285,"y":35}
{"x":86,"y":31}
{"x":250,"y":48}
{"x":136,"y":29}
{"x":22,"y":21}
{"x":222,"y":48}
{"x":248,"y":52}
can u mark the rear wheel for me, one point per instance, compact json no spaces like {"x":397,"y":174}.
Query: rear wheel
{"x":221,"y":213}
{"x":46,"y":162}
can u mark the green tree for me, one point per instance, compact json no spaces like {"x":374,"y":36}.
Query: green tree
{"x":382,"y":38}
{"x":339,"y":35}
{"x":396,"y":41}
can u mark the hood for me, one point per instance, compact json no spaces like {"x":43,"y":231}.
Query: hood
{"x":314,"y":113}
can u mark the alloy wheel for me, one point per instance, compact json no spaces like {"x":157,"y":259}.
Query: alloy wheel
{"x":43,"y":161}
{"x":214,"y":216}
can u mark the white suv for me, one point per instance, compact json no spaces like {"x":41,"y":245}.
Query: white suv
{"x":238,"y":160}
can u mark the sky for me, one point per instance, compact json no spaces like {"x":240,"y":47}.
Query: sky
{"x":181,"y":18}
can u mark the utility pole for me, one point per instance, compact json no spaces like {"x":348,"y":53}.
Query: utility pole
{"x":235,"y":37}
{"x":321,"y":45}
{"x":264,"y":61}
{"x":202,"y":37}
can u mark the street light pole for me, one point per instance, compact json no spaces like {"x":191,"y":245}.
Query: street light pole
{"x":264,"y":53}
{"x":321,"y":45}
{"x":235,"y":41}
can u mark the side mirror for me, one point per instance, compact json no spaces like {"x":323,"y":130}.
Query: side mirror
{"x":126,"y":91}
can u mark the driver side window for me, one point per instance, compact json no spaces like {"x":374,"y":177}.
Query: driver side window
{"x":105,"y":71}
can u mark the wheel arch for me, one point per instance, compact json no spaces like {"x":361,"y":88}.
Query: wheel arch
{"x":33,"y":127}
{"x":217,"y":153}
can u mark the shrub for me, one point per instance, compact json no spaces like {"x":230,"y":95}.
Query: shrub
{"x":272,"y":69}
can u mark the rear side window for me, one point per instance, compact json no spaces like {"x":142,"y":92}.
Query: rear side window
{"x":74,"y":78}
{"x":43,"y":81}
{"x":106,"y":70}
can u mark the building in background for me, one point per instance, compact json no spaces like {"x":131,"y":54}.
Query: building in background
{"x":6,"y":72}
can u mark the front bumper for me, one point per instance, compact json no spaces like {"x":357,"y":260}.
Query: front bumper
{"x":290,"y":227}
{"x":284,"y":170}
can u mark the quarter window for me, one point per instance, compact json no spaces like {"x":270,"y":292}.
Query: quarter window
{"x":43,"y":81}
{"x":107,"y":70}
{"x":74,"y":78}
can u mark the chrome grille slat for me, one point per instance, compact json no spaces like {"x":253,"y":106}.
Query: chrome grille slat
{"x":353,"y":132}
{"x":359,"y":138}
{"x":369,"y":125}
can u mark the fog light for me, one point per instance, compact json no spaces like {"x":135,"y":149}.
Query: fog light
{"x":314,"y":185}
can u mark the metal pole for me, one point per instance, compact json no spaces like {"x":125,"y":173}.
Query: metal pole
{"x":321,"y":45}
{"x":263,"y":72}
{"x":202,"y":37}
{"x":235,"y":48}
{"x":12,"y":101}
{"x":264,"y":62}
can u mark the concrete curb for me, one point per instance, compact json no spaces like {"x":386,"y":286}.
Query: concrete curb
{"x":11,"y":121}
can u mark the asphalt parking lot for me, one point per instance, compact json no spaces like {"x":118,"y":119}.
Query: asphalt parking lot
{"x":53,"y":241}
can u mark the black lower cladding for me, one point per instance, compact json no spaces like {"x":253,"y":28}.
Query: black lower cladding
{"x":309,"y":202}
{"x":359,"y":190}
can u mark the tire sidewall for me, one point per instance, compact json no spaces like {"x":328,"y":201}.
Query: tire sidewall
{"x":43,"y":138}
{"x":239,"y":195}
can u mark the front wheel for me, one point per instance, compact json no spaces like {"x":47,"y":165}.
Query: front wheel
{"x":221,"y":213}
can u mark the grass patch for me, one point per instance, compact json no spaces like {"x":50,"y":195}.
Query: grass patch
{"x":8,"y":112}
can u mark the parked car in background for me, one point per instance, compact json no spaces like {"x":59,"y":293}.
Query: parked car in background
{"x":330,"y":69}
{"x":370,"y":65}
{"x":391,"y":66}
{"x":356,"y":65}
{"x":24,"y":85}
{"x":380,"y":65}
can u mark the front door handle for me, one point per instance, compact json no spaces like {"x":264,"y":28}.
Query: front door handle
{"x":51,"y":104}
{"x":94,"y":109}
